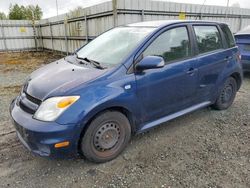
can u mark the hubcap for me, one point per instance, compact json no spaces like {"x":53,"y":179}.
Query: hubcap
{"x":106,"y":136}
{"x":228,"y":91}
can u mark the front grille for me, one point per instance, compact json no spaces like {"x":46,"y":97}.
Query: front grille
{"x":28,"y":103}
{"x":33,"y":99}
{"x":26,"y":108}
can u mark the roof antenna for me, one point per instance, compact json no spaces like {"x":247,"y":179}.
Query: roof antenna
{"x":201,"y":9}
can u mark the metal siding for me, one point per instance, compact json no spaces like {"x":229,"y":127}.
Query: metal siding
{"x":18,"y":34}
{"x":98,"y":22}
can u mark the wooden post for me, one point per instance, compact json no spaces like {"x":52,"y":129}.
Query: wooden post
{"x":34,"y":29}
{"x":41,"y":36}
{"x":240,"y":25}
{"x":115,"y":15}
{"x":51,"y":37}
{"x":86,"y":28}
{"x":66,"y":35}
{"x":35,"y":34}
{"x":200,"y":16}
{"x":142,"y":15}
{"x":4,"y":39}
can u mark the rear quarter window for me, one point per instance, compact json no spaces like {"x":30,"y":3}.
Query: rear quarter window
{"x":228,"y":36}
{"x":208,"y":38}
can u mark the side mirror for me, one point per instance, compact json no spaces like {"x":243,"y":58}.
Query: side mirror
{"x":150,"y":62}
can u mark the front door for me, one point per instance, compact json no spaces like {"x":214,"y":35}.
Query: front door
{"x":172,"y":88}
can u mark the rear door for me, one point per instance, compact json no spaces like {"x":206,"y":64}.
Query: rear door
{"x":211,"y":59}
{"x":169,"y":89}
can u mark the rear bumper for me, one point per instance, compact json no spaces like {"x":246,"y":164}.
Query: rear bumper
{"x":40,"y":137}
{"x":246,"y":65}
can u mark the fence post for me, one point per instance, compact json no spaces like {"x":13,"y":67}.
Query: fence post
{"x":86,"y":28}
{"x":51,"y":37}
{"x":34,"y":31}
{"x":66,"y":35}
{"x":142,"y":15}
{"x":4,"y":39}
{"x":240,"y":25}
{"x":41,"y":36}
{"x":200,"y":16}
{"x":115,"y":15}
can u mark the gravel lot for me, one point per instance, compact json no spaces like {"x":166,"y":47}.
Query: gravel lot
{"x":206,"y":148}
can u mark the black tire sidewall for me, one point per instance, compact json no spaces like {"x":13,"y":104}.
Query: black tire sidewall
{"x":219,"y":104}
{"x":86,"y":146}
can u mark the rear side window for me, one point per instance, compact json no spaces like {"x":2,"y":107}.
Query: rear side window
{"x":208,"y":38}
{"x":228,"y":36}
{"x":171,"y":45}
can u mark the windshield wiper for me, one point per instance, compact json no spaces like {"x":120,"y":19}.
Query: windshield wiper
{"x":95,"y":63}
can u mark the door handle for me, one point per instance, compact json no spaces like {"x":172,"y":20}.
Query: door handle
{"x":228,"y":58}
{"x":190,"y":71}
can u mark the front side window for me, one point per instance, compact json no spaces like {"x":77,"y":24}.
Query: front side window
{"x":208,"y":38}
{"x":171,"y":45}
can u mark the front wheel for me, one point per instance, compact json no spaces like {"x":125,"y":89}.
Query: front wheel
{"x":106,"y":137}
{"x":227,"y":95}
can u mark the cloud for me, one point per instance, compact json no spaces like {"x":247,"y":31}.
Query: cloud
{"x":49,"y":6}
{"x":243,"y":3}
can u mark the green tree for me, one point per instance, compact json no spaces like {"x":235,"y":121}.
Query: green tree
{"x":17,"y":12}
{"x":36,"y":10}
{"x":2,"y":16}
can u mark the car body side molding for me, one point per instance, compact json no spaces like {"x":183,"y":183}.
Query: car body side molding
{"x":172,"y":116}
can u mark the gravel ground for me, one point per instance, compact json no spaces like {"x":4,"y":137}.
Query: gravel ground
{"x":206,"y":148}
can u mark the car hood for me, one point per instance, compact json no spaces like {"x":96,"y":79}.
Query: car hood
{"x":57,"y":78}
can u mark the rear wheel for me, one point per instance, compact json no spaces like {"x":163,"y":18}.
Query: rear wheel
{"x":106,"y":137}
{"x":227,"y":94}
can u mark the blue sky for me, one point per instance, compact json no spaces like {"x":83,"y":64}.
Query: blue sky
{"x":64,"y":6}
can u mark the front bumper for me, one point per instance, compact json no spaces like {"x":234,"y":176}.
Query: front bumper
{"x":246,"y":65}
{"x":40,"y":137}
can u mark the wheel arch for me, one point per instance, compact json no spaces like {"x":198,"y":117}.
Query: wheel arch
{"x":125,"y":111}
{"x":238,"y":79}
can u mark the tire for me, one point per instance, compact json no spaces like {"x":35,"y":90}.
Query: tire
{"x":106,"y":137}
{"x":227,"y":95}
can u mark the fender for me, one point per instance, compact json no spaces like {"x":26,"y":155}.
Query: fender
{"x":102,"y":95}
{"x":227,"y":72}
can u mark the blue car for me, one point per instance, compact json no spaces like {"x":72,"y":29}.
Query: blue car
{"x":243,"y":42}
{"x":127,"y":80}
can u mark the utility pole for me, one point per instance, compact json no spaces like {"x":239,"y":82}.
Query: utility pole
{"x":60,"y":30}
{"x":56,"y":8}
{"x":227,"y":8}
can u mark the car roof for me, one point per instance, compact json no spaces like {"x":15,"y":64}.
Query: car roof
{"x":161,"y":23}
{"x":244,"y":31}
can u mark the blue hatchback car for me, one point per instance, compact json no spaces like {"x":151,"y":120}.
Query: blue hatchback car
{"x":127,"y":80}
{"x":243,"y":42}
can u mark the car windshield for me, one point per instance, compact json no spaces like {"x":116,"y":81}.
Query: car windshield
{"x":113,"y":46}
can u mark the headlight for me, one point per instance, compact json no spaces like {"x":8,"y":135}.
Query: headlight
{"x":53,"y":107}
